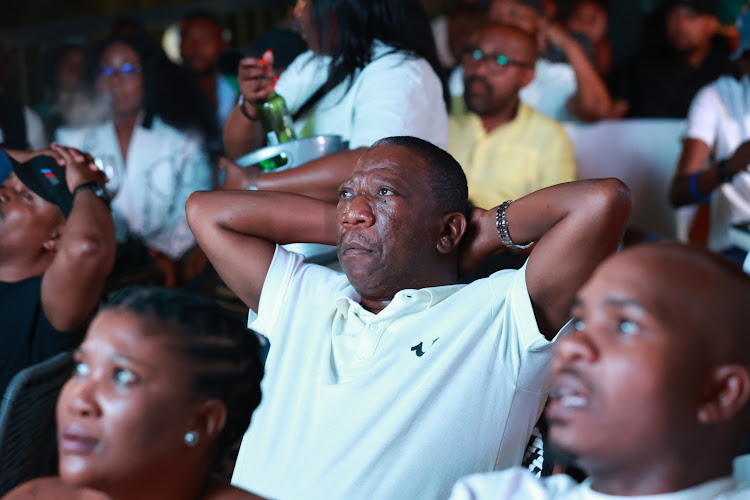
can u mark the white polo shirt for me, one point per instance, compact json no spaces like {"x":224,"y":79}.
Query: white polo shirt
{"x":520,"y":484}
{"x":395,"y":94}
{"x":443,"y":382}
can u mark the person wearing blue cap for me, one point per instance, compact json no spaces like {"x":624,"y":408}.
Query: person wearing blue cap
{"x":57,"y":247}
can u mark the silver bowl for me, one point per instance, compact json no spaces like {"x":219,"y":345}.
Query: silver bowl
{"x":299,"y":152}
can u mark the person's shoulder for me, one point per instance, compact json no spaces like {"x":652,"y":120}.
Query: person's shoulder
{"x":169,"y":135}
{"x":738,"y":494}
{"x":386,"y":57}
{"x":66,"y":135}
{"x":220,"y":491}
{"x":511,"y":484}
{"x":51,"y":487}
{"x":540,"y":121}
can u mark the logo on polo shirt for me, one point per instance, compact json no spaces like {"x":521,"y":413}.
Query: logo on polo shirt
{"x":418,"y":348}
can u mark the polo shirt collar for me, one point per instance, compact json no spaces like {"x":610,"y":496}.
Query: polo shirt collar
{"x":407,"y":300}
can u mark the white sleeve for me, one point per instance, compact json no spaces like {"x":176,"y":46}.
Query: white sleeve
{"x":35,"y":134}
{"x":703,"y":117}
{"x":525,"y":352}
{"x":399,"y":95}
{"x":301,"y":79}
{"x":516,"y":483}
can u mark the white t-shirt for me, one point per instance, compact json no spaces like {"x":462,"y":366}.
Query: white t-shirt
{"x":395,"y":94}
{"x":520,"y":484}
{"x":720,"y":116}
{"x":443,"y":382}
{"x":164,"y":166}
{"x":549,"y":92}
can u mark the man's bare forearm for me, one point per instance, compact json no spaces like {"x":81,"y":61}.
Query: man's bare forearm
{"x":72,"y":285}
{"x":238,"y":230}
{"x":591,"y":101}
{"x":240,"y":134}
{"x":272,"y":216}
{"x":319,"y":178}
{"x":576,"y":225}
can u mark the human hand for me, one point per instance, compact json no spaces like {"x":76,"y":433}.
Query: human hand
{"x":79,"y":167}
{"x":256,"y":80}
{"x":739,"y":160}
{"x":23,"y":156}
{"x":554,"y":34}
{"x":475,"y":245}
{"x":237,"y":177}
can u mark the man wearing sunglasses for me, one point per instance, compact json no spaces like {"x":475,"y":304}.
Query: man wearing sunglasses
{"x":506,"y":148}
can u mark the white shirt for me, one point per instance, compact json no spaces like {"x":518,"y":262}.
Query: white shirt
{"x":549,"y":92}
{"x":720,"y":117}
{"x":35,"y":134}
{"x":395,"y":94}
{"x":441,"y":383}
{"x":520,"y":484}
{"x":163,"y":167}
{"x":226,"y":99}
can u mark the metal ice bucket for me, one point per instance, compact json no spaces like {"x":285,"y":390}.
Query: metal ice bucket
{"x":297,"y":153}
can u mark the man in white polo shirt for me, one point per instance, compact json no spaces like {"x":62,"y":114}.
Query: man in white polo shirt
{"x":390,"y":381}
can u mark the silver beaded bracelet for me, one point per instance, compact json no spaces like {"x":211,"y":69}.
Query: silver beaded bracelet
{"x":501,"y":222}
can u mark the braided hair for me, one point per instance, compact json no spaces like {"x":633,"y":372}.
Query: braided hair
{"x":224,"y":356}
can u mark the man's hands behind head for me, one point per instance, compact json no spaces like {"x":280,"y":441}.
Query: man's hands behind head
{"x":79,"y":166}
{"x":477,"y":244}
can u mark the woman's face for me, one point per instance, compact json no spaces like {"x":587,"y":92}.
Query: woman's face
{"x":302,"y":11}
{"x":121,"y":76}
{"x":123,"y":415}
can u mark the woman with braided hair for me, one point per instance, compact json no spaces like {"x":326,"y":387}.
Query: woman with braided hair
{"x":163,"y":388}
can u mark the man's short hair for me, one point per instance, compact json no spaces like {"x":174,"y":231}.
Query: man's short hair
{"x":203,"y":15}
{"x":447,"y":178}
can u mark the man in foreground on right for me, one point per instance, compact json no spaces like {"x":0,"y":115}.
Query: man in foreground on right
{"x":650,"y":394}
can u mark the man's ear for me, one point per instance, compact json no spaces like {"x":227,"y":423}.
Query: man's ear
{"x":527,"y":77}
{"x":51,"y":243}
{"x":727,"y":394}
{"x":453,"y":229}
{"x":209,"y":419}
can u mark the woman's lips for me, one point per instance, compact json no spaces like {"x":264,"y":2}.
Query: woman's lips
{"x":75,"y":440}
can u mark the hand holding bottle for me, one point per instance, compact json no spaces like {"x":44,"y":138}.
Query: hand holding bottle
{"x":256,"y":81}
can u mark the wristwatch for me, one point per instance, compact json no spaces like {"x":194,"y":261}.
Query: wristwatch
{"x":96,"y":188}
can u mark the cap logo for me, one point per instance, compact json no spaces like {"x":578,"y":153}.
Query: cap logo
{"x":50,"y":176}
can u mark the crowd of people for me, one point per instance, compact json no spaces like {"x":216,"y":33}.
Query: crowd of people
{"x":483,"y":300}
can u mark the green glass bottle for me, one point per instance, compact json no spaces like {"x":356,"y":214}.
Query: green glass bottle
{"x":277,"y":123}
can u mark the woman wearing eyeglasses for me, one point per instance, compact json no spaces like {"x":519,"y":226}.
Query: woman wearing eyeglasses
{"x":152,"y":144}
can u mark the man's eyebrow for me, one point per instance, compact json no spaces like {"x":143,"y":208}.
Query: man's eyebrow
{"x":623,"y":302}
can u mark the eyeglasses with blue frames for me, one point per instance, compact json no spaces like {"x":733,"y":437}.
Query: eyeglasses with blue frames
{"x":127,"y":70}
{"x":474,"y":56}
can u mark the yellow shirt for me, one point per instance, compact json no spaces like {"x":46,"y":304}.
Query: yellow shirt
{"x":530,"y":152}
